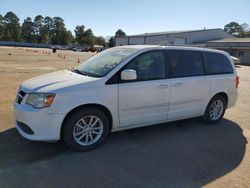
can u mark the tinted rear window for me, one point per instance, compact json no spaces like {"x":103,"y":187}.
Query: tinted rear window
{"x":185,"y":63}
{"x":217,"y":63}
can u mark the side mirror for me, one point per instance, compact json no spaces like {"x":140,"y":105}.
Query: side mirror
{"x":128,"y":74}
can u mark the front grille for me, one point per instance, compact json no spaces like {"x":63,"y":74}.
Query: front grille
{"x":20,"y":96}
{"x":22,"y":93}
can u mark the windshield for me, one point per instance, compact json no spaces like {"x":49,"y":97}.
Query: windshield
{"x":101,"y":64}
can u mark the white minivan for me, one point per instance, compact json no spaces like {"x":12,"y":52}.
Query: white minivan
{"x":125,"y":87}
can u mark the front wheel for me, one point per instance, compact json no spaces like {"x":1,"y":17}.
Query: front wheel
{"x":215,"y":110}
{"x":86,"y":129}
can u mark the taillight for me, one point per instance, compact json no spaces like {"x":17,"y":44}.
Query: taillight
{"x":237,"y":81}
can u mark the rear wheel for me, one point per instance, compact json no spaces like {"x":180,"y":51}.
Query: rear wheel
{"x":215,"y":109}
{"x":86,"y":129}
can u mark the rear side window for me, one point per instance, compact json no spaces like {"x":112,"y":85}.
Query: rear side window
{"x":217,"y":63}
{"x":185,"y":63}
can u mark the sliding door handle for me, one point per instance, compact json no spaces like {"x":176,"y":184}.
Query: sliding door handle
{"x":177,"y":84}
{"x":162,"y":86}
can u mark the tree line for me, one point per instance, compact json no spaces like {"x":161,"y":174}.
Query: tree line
{"x":238,"y":30}
{"x":48,"y":30}
{"x":53,"y":31}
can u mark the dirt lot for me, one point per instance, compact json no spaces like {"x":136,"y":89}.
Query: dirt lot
{"x":179,"y":154}
{"x":19,"y":64}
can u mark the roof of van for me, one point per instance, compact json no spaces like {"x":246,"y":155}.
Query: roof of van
{"x":141,"y":47}
{"x":176,"y":32}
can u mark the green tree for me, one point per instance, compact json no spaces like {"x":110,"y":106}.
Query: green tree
{"x":245,"y":27}
{"x":100,"y":41}
{"x":59,"y":30}
{"x":247,"y":34}
{"x":48,"y":27}
{"x":84,"y":37}
{"x":120,"y":33}
{"x":11,"y":27}
{"x":233,"y":28}
{"x":1,"y":27}
{"x":66,"y":37}
{"x":46,"y":30}
{"x":111,"y":42}
{"x":70,"y":37}
{"x":88,"y":37}
{"x":39,"y":28}
{"x":28,"y":34}
{"x":79,"y":34}
{"x":245,"y":30}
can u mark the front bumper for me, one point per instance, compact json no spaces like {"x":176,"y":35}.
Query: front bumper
{"x":44,"y":126}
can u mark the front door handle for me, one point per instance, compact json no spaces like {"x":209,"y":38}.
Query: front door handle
{"x":162,"y":86}
{"x":177,"y":84}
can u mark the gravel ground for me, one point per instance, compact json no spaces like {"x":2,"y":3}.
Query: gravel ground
{"x":186,"y":153}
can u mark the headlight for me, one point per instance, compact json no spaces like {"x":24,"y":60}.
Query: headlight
{"x":40,"y":100}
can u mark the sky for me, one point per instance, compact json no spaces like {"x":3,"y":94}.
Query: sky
{"x":105,"y":17}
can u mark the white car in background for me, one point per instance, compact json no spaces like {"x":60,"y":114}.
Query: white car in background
{"x":125,"y":87}
{"x":78,"y":49}
{"x":235,"y":60}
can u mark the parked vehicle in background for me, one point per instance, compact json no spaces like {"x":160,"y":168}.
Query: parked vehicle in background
{"x":64,"y":47}
{"x":98,"y":48}
{"x":78,"y":49}
{"x":126,"y":87}
{"x":235,"y":60}
{"x":94,"y":48}
{"x":57,"y":47}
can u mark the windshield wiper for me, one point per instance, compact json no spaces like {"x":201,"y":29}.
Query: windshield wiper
{"x":85,"y":73}
{"x":79,"y":72}
{"x":90,"y":74}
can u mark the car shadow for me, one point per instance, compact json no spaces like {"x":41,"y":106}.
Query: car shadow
{"x":179,"y":154}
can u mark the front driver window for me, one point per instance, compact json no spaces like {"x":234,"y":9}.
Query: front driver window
{"x":149,"y":66}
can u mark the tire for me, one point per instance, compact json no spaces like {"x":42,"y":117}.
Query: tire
{"x":86,"y":129}
{"x":215,"y":110}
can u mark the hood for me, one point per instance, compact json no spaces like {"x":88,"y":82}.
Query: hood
{"x":52,"y":79}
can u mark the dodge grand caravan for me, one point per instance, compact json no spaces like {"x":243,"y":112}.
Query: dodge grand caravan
{"x":122,"y":88}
